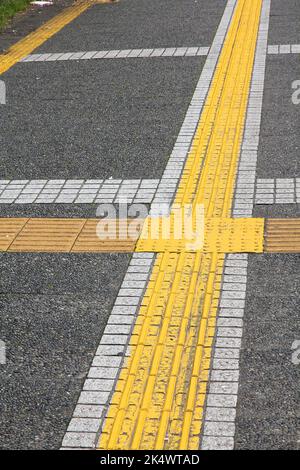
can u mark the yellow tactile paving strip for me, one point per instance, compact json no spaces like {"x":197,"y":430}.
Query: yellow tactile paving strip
{"x":32,"y":41}
{"x":282,"y":236}
{"x":80,"y":235}
{"x":159,"y":397}
{"x":221,"y":235}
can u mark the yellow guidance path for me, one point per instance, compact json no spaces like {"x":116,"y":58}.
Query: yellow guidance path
{"x":159,"y":397}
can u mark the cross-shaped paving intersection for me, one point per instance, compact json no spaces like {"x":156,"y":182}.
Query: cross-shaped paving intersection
{"x":166,"y":372}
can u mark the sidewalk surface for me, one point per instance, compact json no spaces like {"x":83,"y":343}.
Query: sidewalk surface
{"x":156,"y":343}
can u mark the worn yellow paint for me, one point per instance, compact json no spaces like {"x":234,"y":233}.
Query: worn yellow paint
{"x":159,"y":397}
{"x":35,"y":39}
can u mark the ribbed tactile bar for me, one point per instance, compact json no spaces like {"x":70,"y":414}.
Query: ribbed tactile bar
{"x":282,"y":236}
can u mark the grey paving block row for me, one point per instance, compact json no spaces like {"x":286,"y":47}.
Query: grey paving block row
{"x":119,"y":54}
{"x":284,"y":49}
{"x":221,"y":402}
{"x":172,"y":174}
{"x":277,"y":191}
{"x":245,"y":184}
{"x":78,"y":191}
{"x":94,"y":400}
{"x":158,"y":192}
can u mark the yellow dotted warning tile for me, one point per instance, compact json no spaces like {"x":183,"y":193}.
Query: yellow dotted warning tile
{"x":221,"y":235}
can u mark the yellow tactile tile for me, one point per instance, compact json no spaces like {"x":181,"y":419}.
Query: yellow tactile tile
{"x":159,"y":397}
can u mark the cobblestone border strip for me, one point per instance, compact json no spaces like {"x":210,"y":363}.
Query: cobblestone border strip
{"x":245,"y":186}
{"x":119,"y":54}
{"x":220,"y":411}
{"x":77,"y":191}
{"x":277,"y":191}
{"x":284,"y":49}
{"x":172,"y":174}
{"x":267,"y":191}
{"x":94,"y":400}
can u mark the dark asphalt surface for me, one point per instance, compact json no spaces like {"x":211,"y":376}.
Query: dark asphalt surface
{"x":279,"y":139}
{"x":278,"y":211}
{"x":94,"y":119}
{"x":140,"y":24}
{"x":268,"y":402}
{"x":106,"y":118}
{"x":284,"y":22}
{"x":53,"y":210}
{"x":53,"y":311}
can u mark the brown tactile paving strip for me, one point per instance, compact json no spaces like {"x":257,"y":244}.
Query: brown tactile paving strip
{"x":89,"y":241}
{"x":63,"y":235}
{"x":282,"y":236}
{"x":9,"y":229}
